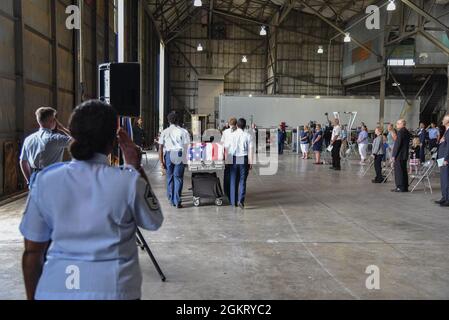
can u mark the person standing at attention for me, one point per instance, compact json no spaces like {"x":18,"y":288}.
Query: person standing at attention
{"x":282,"y":136}
{"x":317,"y":144}
{"x":336,"y":145}
{"x":173,"y":142}
{"x":243,"y":149}
{"x":422,"y":135}
{"x":378,"y":154}
{"x":305,"y":142}
{"x":226,"y":140}
{"x":434,"y":136}
{"x":443,"y":153}
{"x":400,"y":156}
{"x":46,"y":146}
{"x":362,"y":141}
{"x":139,"y":134}
{"x":391,"y":138}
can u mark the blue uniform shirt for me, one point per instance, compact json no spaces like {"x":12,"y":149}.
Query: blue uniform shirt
{"x":433,"y":133}
{"x":44,"y":148}
{"x":90,"y":212}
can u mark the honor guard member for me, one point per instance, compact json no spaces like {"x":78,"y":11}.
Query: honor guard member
{"x":173,"y":153}
{"x":443,"y":153}
{"x":226,"y":140}
{"x":90,"y":212}
{"x":242,"y":151}
{"x":46,"y":146}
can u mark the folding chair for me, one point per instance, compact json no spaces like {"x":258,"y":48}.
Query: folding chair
{"x":424,"y":176}
{"x":389,"y":173}
{"x":370,"y":165}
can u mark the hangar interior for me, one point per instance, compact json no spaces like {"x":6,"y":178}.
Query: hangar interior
{"x":306,"y":232}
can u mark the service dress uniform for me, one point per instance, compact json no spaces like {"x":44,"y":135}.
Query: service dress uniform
{"x":443,"y":153}
{"x":175,"y":141}
{"x":242,"y":145}
{"x":90,"y":212}
{"x":44,"y":148}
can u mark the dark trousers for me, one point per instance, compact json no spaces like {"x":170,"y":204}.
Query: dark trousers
{"x":444,"y":179}
{"x":401,"y":174}
{"x":281,"y":147}
{"x":432,"y":144}
{"x":226,"y":180}
{"x":336,"y":155}
{"x":378,"y":167}
{"x":175,"y":176}
{"x":422,"y":153}
{"x":238,"y":178}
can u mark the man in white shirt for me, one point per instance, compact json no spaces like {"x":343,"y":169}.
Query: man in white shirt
{"x":226,"y":140}
{"x":172,"y":152}
{"x":336,"y":145}
{"x":242,"y":152}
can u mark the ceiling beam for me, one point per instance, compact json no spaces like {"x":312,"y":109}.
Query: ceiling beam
{"x":340,"y":30}
{"x":425,"y":14}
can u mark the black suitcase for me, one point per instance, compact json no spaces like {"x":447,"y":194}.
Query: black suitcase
{"x":206,"y":185}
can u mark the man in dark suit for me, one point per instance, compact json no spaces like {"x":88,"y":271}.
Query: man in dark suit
{"x":443,"y":153}
{"x":400,"y":156}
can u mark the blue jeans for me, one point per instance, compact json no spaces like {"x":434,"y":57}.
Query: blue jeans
{"x":239,"y":176}
{"x":175,"y":177}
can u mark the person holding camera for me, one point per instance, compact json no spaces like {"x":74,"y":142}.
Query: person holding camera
{"x":90,"y":213}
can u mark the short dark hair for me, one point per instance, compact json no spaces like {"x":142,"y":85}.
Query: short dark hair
{"x":241,"y":123}
{"x":173,"y":117}
{"x":93,"y":127}
{"x":44,"y":114}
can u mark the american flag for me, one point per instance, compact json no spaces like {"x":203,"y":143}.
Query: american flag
{"x":197,"y":152}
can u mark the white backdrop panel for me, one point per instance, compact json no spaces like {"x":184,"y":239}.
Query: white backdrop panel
{"x":269,"y":112}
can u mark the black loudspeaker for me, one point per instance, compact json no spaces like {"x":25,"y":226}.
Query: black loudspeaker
{"x":119,"y":85}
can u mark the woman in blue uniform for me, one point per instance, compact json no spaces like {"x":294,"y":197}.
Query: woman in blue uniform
{"x":317,"y":144}
{"x":89,"y":211}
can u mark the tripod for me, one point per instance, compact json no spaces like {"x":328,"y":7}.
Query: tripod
{"x":144,"y":246}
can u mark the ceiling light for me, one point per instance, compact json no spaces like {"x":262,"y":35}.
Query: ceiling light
{"x":396,"y":84}
{"x":347,"y":37}
{"x":263,"y":31}
{"x":250,"y":95}
{"x":320,"y":50}
{"x":391,"y":6}
{"x":244,"y":59}
{"x":200,"y":47}
{"x":198,"y":3}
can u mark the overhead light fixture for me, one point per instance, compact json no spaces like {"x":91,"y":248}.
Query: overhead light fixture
{"x":244,"y":59}
{"x":263,"y":31}
{"x":391,"y":6}
{"x":250,"y":95}
{"x":198,"y":3}
{"x":396,"y":84}
{"x":200,"y":47}
{"x":347,"y":37}
{"x":320,"y":50}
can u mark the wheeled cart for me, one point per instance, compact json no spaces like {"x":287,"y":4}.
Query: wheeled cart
{"x":205,"y":160}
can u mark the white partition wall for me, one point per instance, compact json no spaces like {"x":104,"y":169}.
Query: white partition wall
{"x":270,"y":111}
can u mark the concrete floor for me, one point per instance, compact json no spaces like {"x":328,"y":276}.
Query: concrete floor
{"x":307,"y":233}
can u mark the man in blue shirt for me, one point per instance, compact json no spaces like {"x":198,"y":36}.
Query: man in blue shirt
{"x":434,"y":136}
{"x":46,"y":146}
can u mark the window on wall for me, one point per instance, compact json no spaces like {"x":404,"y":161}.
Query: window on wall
{"x":401,"y":62}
